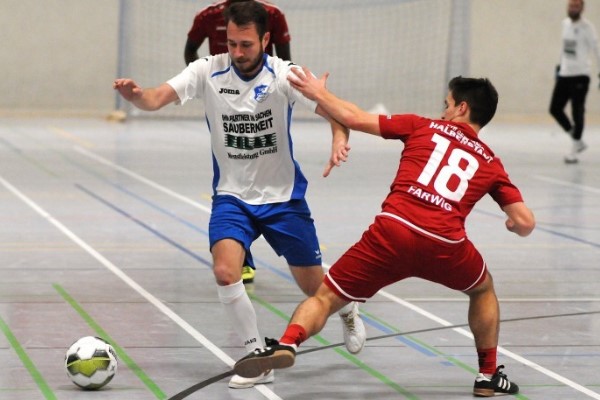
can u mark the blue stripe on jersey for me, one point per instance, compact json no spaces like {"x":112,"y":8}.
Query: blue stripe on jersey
{"x":249,"y":78}
{"x":300,"y":182}
{"x":266,"y":65}
{"x":221,"y":72}
{"x":216,"y":174}
{"x":216,"y":170}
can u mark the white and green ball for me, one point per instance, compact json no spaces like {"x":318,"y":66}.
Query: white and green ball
{"x":91,"y":362}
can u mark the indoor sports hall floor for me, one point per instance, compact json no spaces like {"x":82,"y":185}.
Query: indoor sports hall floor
{"x":104,"y":232}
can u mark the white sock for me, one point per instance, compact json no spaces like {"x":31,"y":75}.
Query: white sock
{"x":238,"y":307}
{"x":346,"y":309}
{"x":292,"y":345}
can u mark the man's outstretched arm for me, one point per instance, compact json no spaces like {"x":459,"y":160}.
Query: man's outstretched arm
{"x":145,"y":99}
{"x":346,"y":113}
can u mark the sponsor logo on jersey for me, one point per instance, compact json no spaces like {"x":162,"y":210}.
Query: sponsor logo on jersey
{"x":228,"y":91}
{"x":454,"y":132}
{"x":249,"y":132}
{"x":260,"y":93}
{"x":251,"y":143}
{"x":570,"y":48}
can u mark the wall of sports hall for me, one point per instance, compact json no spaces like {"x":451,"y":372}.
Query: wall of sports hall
{"x":59,"y":57}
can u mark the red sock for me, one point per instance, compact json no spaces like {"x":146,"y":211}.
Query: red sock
{"x":294,"y":334}
{"x":487,"y":360}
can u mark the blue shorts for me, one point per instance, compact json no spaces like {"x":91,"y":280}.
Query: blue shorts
{"x":287,"y":227}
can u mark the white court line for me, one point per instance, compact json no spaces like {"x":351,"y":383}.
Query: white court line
{"x":268,"y":393}
{"x":383,"y":293}
{"x":501,"y":350}
{"x":140,"y":178}
{"x":567,"y":183}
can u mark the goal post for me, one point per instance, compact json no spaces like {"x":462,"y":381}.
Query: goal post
{"x":391,"y":56}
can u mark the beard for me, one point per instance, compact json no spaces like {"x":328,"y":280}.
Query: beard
{"x":249,"y":66}
{"x":574,"y":15}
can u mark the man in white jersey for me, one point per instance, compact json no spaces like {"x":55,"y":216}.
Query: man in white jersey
{"x":579,"y":42}
{"x":258,"y":186}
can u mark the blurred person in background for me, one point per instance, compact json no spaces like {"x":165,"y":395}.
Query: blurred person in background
{"x":579,"y":43}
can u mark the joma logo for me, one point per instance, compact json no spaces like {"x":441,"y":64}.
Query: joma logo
{"x":229,"y":91}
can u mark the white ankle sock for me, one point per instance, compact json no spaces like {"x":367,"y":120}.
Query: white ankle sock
{"x":292,"y":345}
{"x":346,"y":309}
{"x":238,"y":307}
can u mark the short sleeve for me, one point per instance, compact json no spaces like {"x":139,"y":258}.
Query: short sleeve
{"x":400,"y":126}
{"x":292,"y":94}
{"x":504,"y":192}
{"x":190,"y":82}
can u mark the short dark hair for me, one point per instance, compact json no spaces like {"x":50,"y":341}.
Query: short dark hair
{"x":246,"y":13}
{"x":479,"y":94}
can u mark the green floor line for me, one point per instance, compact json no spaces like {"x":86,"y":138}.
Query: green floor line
{"x":33,"y":371}
{"x":371,"y":371}
{"x":433,"y":349}
{"x":150,"y":384}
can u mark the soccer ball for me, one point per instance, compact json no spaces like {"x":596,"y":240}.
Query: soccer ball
{"x":91,"y":362}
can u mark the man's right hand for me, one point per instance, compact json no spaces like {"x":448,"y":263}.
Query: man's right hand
{"x":128,"y":89}
{"x":306,"y":83}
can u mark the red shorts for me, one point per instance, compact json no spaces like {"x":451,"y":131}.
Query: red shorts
{"x":389,"y":252}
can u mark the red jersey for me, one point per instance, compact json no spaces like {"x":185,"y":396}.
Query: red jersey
{"x":209,"y":23}
{"x":443,"y":172}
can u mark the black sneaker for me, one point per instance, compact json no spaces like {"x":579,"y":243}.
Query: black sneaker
{"x":273,"y":356}
{"x":499,"y":384}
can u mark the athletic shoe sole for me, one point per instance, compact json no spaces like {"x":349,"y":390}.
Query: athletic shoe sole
{"x":253,"y":365}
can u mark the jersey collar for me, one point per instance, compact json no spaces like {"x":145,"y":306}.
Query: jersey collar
{"x":249,"y":78}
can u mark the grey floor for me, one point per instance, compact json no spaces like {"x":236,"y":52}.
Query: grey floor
{"x":104,"y":232}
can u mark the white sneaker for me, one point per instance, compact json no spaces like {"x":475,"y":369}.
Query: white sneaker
{"x":579,"y":146}
{"x":355,"y":335}
{"x":238,"y":382}
{"x":571,"y":159}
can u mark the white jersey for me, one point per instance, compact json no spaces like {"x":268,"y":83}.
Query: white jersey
{"x":249,"y":121}
{"x":579,"y":43}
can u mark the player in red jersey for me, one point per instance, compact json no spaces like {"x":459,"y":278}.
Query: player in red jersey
{"x":209,"y":23}
{"x":444,"y":170}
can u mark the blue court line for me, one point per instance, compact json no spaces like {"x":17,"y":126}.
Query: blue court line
{"x":364,"y":366}
{"x":196,"y":228}
{"x":11,"y":146}
{"x":145,"y":226}
{"x":183,"y":248}
{"x":164,"y":211}
{"x":409,"y":342}
{"x":30,"y":160}
{"x":187,"y":251}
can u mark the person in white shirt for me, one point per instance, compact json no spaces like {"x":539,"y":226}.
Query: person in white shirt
{"x":258,"y":186}
{"x":579,"y":43}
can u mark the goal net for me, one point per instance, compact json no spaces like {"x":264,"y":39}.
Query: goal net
{"x":387,"y":56}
